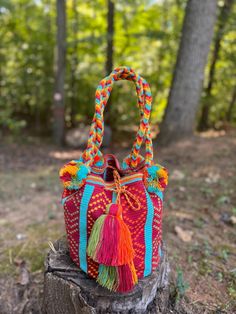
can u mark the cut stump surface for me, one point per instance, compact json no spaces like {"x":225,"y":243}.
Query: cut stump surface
{"x":67,"y":290}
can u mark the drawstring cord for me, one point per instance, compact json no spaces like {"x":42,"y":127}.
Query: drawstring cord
{"x":119,"y":189}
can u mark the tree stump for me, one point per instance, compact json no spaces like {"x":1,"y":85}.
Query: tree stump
{"x":67,"y":290}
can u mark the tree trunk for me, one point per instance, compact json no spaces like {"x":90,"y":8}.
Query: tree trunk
{"x":110,"y":34}
{"x":224,"y":14}
{"x":109,"y":63}
{"x":67,"y":290}
{"x":74,"y":64}
{"x":231,"y":106}
{"x":197,"y":32}
{"x":59,"y":92}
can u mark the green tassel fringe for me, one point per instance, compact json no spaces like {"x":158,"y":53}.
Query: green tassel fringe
{"x":94,"y":237}
{"x":108,"y":277}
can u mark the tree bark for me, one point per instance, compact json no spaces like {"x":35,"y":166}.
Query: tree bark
{"x":109,"y":58}
{"x":231,"y":105}
{"x":110,"y":34}
{"x":197,"y":32}
{"x":223,"y":17}
{"x":74,"y":64}
{"x":67,"y":290}
{"x":60,"y":62}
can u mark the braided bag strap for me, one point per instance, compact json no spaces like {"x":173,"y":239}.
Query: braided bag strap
{"x":144,"y":103}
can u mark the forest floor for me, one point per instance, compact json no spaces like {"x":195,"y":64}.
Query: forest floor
{"x":199,"y":220}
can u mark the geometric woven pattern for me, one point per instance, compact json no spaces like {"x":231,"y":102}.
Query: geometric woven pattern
{"x":71,"y":214}
{"x":135,"y":220}
{"x":157,"y":229}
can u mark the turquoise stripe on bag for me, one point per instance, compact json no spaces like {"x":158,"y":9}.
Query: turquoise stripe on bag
{"x":88,"y":192}
{"x":159,"y":193}
{"x":148,"y":236}
{"x":131,"y":181}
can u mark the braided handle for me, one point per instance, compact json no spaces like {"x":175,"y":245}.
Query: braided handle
{"x":144,"y":104}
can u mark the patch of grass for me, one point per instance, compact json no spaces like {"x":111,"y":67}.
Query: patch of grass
{"x":190,"y":259}
{"x":40,"y":234}
{"x":179,"y":288}
{"x":199,"y":223}
{"x":28,"y":252}
{"x":35,"y":256}
{"x":220,"y":276}
{"x":23,"y":182}
{"x":206,"y":191}
{"x":204,"y":267}
{"x":33,"y":250}
{"x":231,"y":283}
{"x":234,"y":210}
{"x":6,"y":263}
{"x":223,"y":199}
{"x":181,"y":285}
{"x":207,"y":248}
{"x":224,"y":254}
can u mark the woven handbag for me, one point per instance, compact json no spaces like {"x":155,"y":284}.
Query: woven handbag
{"x":113,"y":211}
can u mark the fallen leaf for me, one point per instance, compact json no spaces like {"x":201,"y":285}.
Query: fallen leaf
{"x":33,"y":185}
{"x":3,"y":221}
{"x":177,"y":175}
{"x":184,"y":215}
{"x":182,"y":188}
{"x":212,"y":134}
{"x":184,"y":235}
{"x":233,"y":219}
{"x":21,"y":236}
{"x":212,"y":178}
{"x":215,"y":216}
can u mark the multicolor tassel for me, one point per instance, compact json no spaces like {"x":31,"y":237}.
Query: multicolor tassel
{"x":110,"y":245}
{"x":127,"y":277}
{"x":108,"y":277}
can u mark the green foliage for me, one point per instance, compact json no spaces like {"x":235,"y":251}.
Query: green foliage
{"x":225,"y":75}
{"x":146,"y":38}
{"x":180,"y":287}
{"x":26,"y":62}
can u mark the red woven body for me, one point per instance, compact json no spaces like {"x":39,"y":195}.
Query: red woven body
{"x":135,"y":220}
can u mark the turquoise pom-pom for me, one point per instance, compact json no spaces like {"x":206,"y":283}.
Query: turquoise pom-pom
{"x":82,"y":173}
{"x":152,"y":171}
{"x":155,"y":178}
{"x":74,"y":174}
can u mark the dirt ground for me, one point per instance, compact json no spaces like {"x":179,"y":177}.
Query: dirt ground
{"x":199,"y":220}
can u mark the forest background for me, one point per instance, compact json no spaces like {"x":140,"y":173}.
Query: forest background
{"x":53,"y":53}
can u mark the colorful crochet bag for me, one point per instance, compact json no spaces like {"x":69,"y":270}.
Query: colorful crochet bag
{"x":113,"y":212}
